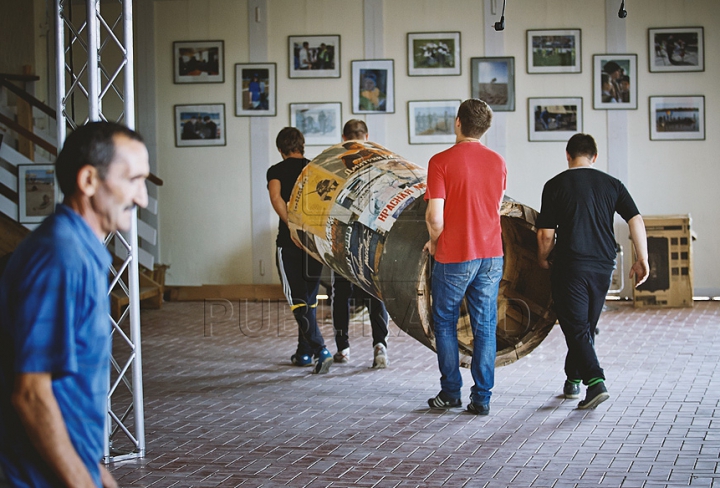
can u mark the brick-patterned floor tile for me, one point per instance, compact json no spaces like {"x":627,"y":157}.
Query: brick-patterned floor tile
{"x":223,"y":407}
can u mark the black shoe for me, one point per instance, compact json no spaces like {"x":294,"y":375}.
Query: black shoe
{"x":594,"y":396}
{"x":478,"y":408}
{"x":442,"y":401}
{"x":571,"y":390}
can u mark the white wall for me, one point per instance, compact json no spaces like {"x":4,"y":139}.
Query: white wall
{"x":204,"y":214}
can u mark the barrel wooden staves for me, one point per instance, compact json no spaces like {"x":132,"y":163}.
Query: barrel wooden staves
{"x":359,"y":209}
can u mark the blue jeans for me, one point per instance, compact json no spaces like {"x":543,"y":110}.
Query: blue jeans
{"x":478,"y":280}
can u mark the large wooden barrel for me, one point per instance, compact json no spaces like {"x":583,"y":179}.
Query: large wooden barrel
{"x":359,"y":209}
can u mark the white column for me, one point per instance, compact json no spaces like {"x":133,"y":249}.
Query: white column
{"x":496,"y":137}
{"x":617,"y":120}
{"x":260,"y":155}
{"x":374,"y":24}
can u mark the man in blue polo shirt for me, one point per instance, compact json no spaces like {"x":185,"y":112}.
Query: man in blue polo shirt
{"x":54,"y":324}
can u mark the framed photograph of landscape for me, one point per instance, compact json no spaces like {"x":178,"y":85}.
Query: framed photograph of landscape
{"x":199,"y":61}
{"x":677,"y":118}
{"x":432,"y":121}
{"x":373,"y":86}
{"x":200,"y":125}
{"x":320,"y":123}
{"x":255,"y":89}
{"x":493,"y":81}
{"x":554,"y":119}
{"x":676,"y":49}
{"x":615,"y":81}
{"x":433,"y":53}
{"x":37,"y":192}
{"x":554,"y":51}
{"x":314,"y":56}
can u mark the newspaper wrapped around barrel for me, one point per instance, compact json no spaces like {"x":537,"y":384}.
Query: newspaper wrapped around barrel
{"x":359,"y":209}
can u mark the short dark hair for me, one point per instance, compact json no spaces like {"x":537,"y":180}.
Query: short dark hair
{"x":581,"y":145}
{"x":92,"y":144}
{"x":355,"y":129}
{"x":475,"y":117}
{"x":290,"y":140}
{"x":611,"y":67}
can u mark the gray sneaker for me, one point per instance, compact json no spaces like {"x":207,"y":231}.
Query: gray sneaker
{"x":380,"y":358}
{"x":342,"y":356}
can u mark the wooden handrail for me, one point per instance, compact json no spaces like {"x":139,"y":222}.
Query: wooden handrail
{"x":28,"y":135}
{"x":27,"y":97}
{"x":5,"y":81}
{"x":14,"y":77}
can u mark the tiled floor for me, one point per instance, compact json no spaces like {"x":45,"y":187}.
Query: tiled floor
{"x":224,"y":408}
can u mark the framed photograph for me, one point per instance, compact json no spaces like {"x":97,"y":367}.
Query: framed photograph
{"x":37,"y":192}
{"x":615,"y":81}
{"x":199,"y":61}
{"x":320,"y":123}
{"x":433,"y":53}
{"x":200,"y":125}
{"x":373,"y":86}
{"x":554,"y":51}
{"x":493,"y":81}
{"x":255,"y":89}
{"x":314,"y":56}
{"x":676,"y":49}
{"x":554,"y":119}
{"x":677,"y":118}
{"x":432,"y":122}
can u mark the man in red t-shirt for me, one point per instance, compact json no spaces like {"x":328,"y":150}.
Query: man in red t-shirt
{"x":465,"y":187}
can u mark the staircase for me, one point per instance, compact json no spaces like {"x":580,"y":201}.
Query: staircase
{"x":23,"y":146}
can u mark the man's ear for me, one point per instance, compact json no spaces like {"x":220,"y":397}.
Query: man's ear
{"x":88,"y":180}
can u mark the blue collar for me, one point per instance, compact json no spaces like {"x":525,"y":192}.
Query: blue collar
{"x":85,"y":234}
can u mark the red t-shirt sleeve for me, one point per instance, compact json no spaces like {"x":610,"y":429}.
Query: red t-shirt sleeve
{"x":435,"y":181}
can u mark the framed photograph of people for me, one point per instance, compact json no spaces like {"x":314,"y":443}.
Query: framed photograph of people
{"x":615,"y":81}
{"x":314,"y":56}
{"x":37,"y":192}
{"x":373,"y":86}
{"x":676,"y":49}
{"x":433,"y":53}
{"x":320,"y":123}
{"x":199,"y":61}
{"x":200,"y":125}
{"x":677,"y":118}
{"x":493,"y":81}
{"x":554,"y":119}
{"x":432,"y":121}
{"x":255,"y":89}
{"x":554,"y":51}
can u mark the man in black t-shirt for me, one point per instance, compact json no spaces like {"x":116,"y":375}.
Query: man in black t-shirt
{"x":576,"y":224}
{"x":299,"y":273}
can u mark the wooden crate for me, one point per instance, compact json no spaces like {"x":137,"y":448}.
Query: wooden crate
{"x":670,"y":283}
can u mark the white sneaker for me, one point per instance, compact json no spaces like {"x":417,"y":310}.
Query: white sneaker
{"x":380,"y":359}
{"x":342,"y":356}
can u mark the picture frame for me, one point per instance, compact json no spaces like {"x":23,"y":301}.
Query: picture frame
{"x":676,"y":49}
{"x":198,"y":62}
{"x":677,"y":118}
{"x":492,"y":79}
{"x":432,"y":121}
{"x":433,"y":54}
{"x":38,"y":192}
{"x":314,"y":56}
{"x":554,"y":51}
{"x":373,"y":86}
{"x":615,"y":80}
{"x":255,"y":90}
{"x":554,"y":119}
{"x":320,"y":123}
{"x":195,"y":125}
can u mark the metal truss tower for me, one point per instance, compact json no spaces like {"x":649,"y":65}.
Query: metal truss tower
{"x":94,"y":73}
